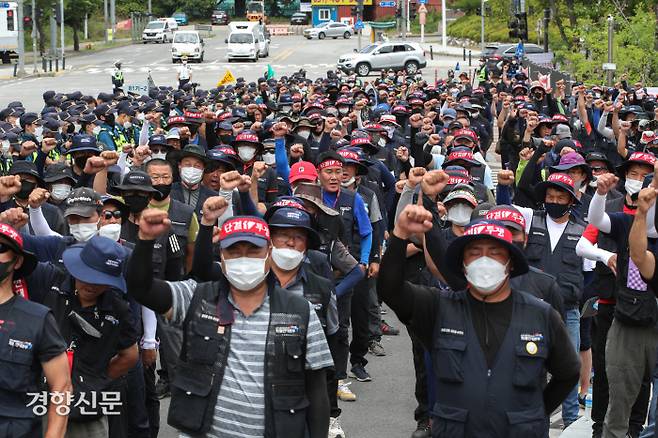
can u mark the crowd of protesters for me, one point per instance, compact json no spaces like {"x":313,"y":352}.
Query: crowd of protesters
{"x":216,"y":246}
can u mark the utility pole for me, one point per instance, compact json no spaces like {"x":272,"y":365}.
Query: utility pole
{"x":408,"y":2}
{"x":405,"y":18}
{"x":444,"y":31}
{"x":611,"y":31}
{"x":21,"y":40}
{"x":53,"y":34}
{"x":482,"y":26}
{"x":547,"y":19}
{"x":113,"y":17}
{"x":34,"y":34}
{"x":105,"y":20}
{"x":149,"y":7}
{"x":86,"y":27}
{"x":359,"y":16}
{"x":61,"y":12}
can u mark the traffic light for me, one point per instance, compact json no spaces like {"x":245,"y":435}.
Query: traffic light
{"x":518,"y":26}
{"x":478,"y":12}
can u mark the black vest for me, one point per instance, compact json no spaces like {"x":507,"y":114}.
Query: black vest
{"x":181,"y":216}
{"x":604,"y":281}
{"x":317,"y":291}
{"x":19,"y":369}
{"x":350,"y":235}
{"x":203,"y":358}
{"x":477,"y":173}
{"x":562,"y":262}
{"x":505,"y":401}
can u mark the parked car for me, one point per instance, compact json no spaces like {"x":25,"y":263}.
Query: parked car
{"x":157,"y":31}
{"x":299,"y":18}
{"x":219,"y":17}
{"x":181,"y":18}
{"x":509,"y":50}
{"x":247,"y":40}
{"x":189,"y":44}
{"x":172,"y":23}
{"x":329,"y":29}
{"x":403,"y":55}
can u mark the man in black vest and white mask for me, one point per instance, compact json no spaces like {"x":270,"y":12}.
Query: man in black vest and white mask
{"x":254,"y":355}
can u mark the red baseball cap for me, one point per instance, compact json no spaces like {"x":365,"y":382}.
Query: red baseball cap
{"x":304,"y":171}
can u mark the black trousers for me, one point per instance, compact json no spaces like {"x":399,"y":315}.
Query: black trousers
{"x":421,"y":413}
{"x":332,"y":381}
{"x":600,"y":394}
{"x":152,"y":401}
{"x":352,"y":307}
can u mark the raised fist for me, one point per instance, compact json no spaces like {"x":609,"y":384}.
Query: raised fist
{"x":38,"y":197}
{"x":153,"y":223}
{"x":94,"y":165}
{"x":9,"y":185}
{"x":296,"y":151}
{"x":505,"y":177}
{"x":434,"y":182}
{"x":15,"y":217}
{"x":605,"y":182}
{"x":213,"y":208}
{"x":230,"y":180}
{"x":414,"y":219}
{"x":416,"y":176}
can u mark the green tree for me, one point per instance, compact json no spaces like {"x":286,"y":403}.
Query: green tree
{"x":74,"y":16}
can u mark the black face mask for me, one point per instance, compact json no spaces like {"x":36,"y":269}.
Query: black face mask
{"x":226,"y":139}
{"x":70,"y":129}
{"x":556,"y":211}
{"x":163,"y":191}
{"x":519,"y":245}
{"x":26,"y":189}
{"x":81,"y":162}
{"x":5,"y":271}
{"x":538,"y":96}
{"x":136,"y":203}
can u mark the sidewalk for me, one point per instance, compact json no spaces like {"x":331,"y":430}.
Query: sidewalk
{"x":582,"y":428}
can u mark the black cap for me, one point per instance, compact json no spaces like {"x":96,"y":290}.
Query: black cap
{"x":26,"y":168}
{"x":137,"y":180}
{"x":82,"y":201}
{"x":58,"y":172}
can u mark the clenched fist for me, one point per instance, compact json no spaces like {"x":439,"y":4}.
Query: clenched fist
{"x":213,"y":208}
{"x":505,"y":177}
{"x":38,"y":197}
{"x":434,"y":182}
{"x":153,"y":223}
{"x":414,"y":219}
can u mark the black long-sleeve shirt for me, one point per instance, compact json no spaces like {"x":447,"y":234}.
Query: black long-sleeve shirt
{"x":417,"y":306}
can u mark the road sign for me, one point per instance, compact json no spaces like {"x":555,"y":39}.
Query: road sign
{"x":609,"y":66}
{"x":388,"y":4}
{"x":520,"y":50}
{"x":422,"y":2}
{"x":138,"y":88}
{"x":226,"y":79}
{"x":358,"y":25}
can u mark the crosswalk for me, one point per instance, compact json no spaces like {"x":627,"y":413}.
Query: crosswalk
{"x":212,"y":66}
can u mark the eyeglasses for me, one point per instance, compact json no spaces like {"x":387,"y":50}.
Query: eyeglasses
{"x":109,"y":214}
{"x":598,"y":169}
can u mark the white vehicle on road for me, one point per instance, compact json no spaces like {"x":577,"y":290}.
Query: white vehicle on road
{"x":329,"y":29}
{"x":8,"y":32}
{"x":187,"y":43}
{"x":247,"y":40}
{"x":157,"y":31}
{"x":173,"y":25}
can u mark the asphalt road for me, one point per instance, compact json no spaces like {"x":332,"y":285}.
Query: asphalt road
{"x":90,"y":72}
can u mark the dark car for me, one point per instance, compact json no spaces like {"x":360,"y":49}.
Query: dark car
{"x":299,"y":18}
{"x":219,"y":17}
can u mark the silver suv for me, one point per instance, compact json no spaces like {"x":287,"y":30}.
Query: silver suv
{"x":406,"y":56}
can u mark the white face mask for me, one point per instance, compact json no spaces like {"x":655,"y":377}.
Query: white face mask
{"x":246,"y":153}
{"x":77,"y":127}
{"x":191,"y":175}
{"x":390,"y":131}
{"x":127,"y":125}
{"x":382,"y":142}
{"x":343,"y":110}
{"x":269,"y":158}
{"x":486,"y":274}
{"x":286,"y":258}
{"x":593,"y":182}
{"x":632,"y":186}
{"x":84,"y":232}
{"x":245,"y":273}
{"x":111,"y":231}
{"x":141,"y":117}
{"x":96,"y":130}
{"x":460,"y":214}
{"x":160,"y":155}
{"x":60,"y":192}
{"x":304,"y":133}
{"x":4,"y":146}
{"x":348,"y":183}
{"x":38,"y":132}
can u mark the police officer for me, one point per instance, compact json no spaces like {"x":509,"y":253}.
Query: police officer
{"x":472,"y":340}
{"x":117,"y":77}
{"x":32,"y":345}
{"x":216,"y":316}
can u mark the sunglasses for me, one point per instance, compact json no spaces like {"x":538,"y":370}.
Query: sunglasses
{"x":107,"y":214}
{"x":598,"y":169}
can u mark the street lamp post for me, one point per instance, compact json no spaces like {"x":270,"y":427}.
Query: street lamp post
{"x":482,"y":25}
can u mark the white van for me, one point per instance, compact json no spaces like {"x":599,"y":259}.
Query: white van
{"x":247,"y":40}
{"x":158,"y":31}
{"x":187,"y":43}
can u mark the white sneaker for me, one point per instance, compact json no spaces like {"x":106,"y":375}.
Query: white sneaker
{"x":344,"y":392}
{"x":335,"y":431}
